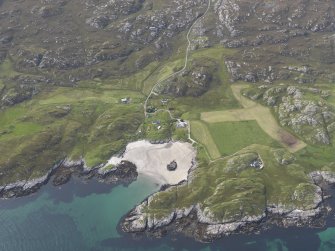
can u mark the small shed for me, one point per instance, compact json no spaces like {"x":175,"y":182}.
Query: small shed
{"x":181,"y":123}
{"x":164,"y":101}
{"x":156,"y":122}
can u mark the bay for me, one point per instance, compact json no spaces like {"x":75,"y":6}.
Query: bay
{"x":84,"y":216}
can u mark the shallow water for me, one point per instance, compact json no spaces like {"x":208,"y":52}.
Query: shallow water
{"x":80,"y":216}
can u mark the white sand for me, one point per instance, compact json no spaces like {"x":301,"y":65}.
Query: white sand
{"x":151,"y":160}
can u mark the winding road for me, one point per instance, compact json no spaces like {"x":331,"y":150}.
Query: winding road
{"x":188,"y":48}
{"x":186,"y":58}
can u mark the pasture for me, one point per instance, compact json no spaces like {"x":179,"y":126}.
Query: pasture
{"x":201,"y":134}
{"x":259,"y":113}
{"x":231,"y":137}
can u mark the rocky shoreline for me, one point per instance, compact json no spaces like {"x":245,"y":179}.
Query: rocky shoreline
{"x":192,"y":222}
{"x":61,"y":173}
{"x":190,"y":227}
{"x":195,"y":223}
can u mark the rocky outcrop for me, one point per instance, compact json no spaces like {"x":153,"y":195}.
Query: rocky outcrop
{"x":261,"y":32}
{"x":292,"y":216}
{"x":318,"y":177}
{"x":306,"y":116}
{"x":56,"y":45}
{"x":62,"y":172}
{"x":207,"y":228}
{"x":125,"y":173}
{"x":248,"y":73}
{"x":304,"y":109}
{"x":25,"y":187}
{"x":194,"y":81}
{"x":235,"y":204}
{"x":257,"y":29}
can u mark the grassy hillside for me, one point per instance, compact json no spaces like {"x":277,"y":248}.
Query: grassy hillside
{"x":231,"y":189}
{"x":66,"y":122}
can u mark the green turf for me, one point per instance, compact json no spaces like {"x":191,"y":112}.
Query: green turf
{"x":158,"y":126}
{"x":315,"y":157}
{"x":231,"y":137}
{"x":230,"y":192}
{"x":200,"y":133}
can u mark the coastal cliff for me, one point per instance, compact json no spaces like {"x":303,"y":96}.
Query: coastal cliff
{"x":208,"y":219}
{"x":124,"y":173}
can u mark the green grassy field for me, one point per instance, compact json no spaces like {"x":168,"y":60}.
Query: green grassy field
{"x":230,"y":137}
{"x":74,"y":95}
{"x":200,"y":133}
{"x":158,"y":127}
{"x":316,"y":157}
{"x":254,"y":111}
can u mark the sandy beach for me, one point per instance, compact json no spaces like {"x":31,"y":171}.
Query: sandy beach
{"x":152,"y":160}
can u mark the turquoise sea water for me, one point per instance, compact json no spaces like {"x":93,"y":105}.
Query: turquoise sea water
{"x":79,"y":216}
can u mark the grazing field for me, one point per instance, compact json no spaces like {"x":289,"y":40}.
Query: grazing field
{"x":230,"y":115}
{"x":201,"y":134}
{"x":69,"y":96}
{"x":231,"y":137}
{"x":255,"y":111}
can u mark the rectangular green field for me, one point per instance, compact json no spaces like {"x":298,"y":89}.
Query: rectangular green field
{"x":231,"y":137}
{"x":200,"y":133}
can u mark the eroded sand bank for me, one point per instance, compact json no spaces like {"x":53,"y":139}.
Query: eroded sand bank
{"x":152,"y":160}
